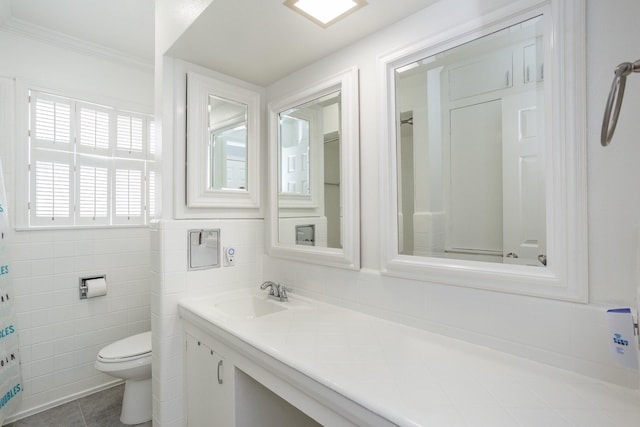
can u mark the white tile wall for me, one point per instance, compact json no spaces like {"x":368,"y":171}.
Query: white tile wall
{"x":171,"y":281}
{"x":60,"y":335}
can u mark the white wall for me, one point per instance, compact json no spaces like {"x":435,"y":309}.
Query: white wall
{"x":568,"y":335}
{"x":171,"y":281}
{"x":170,"y":278}
{"x":571,"y":336}
{"x":60,"y":335}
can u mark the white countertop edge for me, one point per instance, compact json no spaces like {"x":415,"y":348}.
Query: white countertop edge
{"x":200,"y":308}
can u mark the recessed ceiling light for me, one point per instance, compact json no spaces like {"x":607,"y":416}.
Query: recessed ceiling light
{"x":325,"y":12}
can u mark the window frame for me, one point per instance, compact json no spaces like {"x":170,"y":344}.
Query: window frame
{"x":26,"y":152}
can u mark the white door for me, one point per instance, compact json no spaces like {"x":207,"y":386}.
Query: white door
{"x":475,"y":214}
{"x":523,"y":166}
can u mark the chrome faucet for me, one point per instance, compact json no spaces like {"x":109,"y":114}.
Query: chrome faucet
{"x":276,"y":290}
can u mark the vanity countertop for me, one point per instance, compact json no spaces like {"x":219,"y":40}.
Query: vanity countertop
{"x":416,"y":378}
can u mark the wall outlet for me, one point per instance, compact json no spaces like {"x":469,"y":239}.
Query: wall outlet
{"x":229,"y":257}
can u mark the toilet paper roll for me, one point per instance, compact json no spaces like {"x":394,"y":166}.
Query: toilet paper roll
{"x":96,"y":287}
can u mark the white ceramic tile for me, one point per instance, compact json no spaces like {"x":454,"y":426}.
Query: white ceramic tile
{"x":42,"y":350}
{"x":527,"y":417}
{"x":139,"y":327}
{"x":170,"y":410}
{"x":63,"y":249}
{"x":469,"y":393}
{"x":42,"y":267}
{"x":515,"y":395}
{"x":175,"y":282}
{"x":487,"y":416}
{"x":61,"y":327}
{"x":64,"y":361}
{"x":595,"y":418}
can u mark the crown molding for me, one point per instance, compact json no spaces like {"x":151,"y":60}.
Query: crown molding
{"x":55,"y":38}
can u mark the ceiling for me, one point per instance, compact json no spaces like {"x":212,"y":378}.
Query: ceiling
{"x":259,"y":41}
{"x":126,"y":26}
{"x":262,"y":41}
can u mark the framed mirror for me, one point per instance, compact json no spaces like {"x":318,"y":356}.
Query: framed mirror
{"x":486,"y":154}
{"x":314,"y":170}
{"x":222,"y":147}
{"x":475,"y":114}
{"x":227,"y":153}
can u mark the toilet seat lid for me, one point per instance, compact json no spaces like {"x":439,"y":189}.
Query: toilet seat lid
{"x":135,"y":345}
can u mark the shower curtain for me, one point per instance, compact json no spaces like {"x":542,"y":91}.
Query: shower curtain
{"x":10,"y":372}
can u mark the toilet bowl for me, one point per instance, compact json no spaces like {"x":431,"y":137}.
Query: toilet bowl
{"x":130,"y":359}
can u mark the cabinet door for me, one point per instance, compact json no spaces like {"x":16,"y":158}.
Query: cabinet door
{"x":209,"y":386}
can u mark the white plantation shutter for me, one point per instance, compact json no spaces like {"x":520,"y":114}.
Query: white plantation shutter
{"x":51,"y":122}
{"x":94,"y":130}
{"x":130,"y":135}
{"x":51,"y":188}
{"x":151,"y":198}
{"x":93,"y":191}
{"x":87,"y":164}
{"x":128,"y":198}
{"x":152,"y":138}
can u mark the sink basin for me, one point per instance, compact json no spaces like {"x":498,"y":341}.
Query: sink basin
{"x":248,"y":307}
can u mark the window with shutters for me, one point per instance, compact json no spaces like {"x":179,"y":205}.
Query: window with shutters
{"x":89,"y":164}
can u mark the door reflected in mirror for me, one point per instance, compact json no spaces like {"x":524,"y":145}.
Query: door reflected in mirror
{"x":227,"y":153}
{"x":309,"y":211}
{"x":470,"y":150}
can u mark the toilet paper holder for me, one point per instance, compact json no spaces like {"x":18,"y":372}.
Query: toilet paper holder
{"x":82,"y":282}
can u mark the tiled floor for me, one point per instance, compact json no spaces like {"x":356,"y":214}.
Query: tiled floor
{"x":97,"y":410}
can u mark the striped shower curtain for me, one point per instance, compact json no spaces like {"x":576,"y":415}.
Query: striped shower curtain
{"x":10,"y":373}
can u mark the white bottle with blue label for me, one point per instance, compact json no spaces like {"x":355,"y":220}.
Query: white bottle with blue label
{"x":623,"y":341}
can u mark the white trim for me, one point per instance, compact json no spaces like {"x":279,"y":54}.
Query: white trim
{"x":349,"y":256}
{"x":21,"y":144}
{"x":565,"y":277}
{"x":199,"y":195}
{"x":35,"y":32}
{"x":24,"y":219}
{"x":206,"y":203}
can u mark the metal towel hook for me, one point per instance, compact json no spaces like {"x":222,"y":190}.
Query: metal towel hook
{"x":615,"y":100}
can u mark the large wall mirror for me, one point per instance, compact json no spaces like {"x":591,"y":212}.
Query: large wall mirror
{"x":314,"y":173}
{"x":222,"y":124}
{"x":470,"y":149}
{"x":485,"y":139}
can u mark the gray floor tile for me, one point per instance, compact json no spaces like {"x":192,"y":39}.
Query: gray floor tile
{"x":67,"y":415}
{"x":101,"y":409}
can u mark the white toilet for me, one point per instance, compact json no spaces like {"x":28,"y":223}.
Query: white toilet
{"x":130,"y":359}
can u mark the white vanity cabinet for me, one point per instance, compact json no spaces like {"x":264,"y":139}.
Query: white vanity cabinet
{"x":258,"y":388}
{"x":209,"y":385}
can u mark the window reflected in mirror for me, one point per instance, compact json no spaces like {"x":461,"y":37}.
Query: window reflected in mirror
{"x":470,"y":150}
{"x":227,"y":151}
{"x":309,"y":211}
{"x":294,"y":151}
